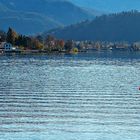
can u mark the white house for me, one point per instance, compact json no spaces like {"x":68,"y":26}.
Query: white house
{"x":6,"y":47}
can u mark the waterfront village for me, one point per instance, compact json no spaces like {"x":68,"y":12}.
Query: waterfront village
{"x":11,"y":42}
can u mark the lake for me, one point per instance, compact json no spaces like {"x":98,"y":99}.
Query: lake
{"x":91,"y":96}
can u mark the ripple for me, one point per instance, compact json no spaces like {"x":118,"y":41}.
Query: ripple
{"x":69,"y":96}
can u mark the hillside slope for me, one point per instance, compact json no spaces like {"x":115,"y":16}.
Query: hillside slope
{"x":124,"y":26}
{"x":39,"y":15}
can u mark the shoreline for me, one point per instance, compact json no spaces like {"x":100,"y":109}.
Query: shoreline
{"x":56,"y":53}
{"x":63,"y":52}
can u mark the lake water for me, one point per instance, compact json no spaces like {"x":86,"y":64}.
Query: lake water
{"x":70,"y":97}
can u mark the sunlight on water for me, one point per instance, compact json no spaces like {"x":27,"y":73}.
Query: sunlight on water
{"x":69,"y":98}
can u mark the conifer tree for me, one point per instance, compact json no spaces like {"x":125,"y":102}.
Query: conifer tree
{"x":11,"y":36}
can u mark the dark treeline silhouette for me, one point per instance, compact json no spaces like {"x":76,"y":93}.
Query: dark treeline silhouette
{"x":123,"y":26}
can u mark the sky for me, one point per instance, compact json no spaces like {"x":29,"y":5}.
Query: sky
{"x":109,"y":5}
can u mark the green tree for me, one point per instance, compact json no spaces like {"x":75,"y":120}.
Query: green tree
{"x":40,"y":39}
{"x":69,"y":45}
{"x":11,"y":36}
{"x":19,"y":40}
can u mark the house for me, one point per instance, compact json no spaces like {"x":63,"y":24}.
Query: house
{"x":136,"y":46}
{"x":7,"y":47}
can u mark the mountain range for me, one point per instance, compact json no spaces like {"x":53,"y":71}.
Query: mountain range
{"x":36,"y":16}
{"x":124,"y":26}
{"x":109,"y":6}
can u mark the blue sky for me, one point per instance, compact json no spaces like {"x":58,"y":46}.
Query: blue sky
{"x":109,"y":5}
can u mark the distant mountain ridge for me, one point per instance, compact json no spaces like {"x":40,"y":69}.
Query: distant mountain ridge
{"x":34,"y":16}
{"x":109,"y":5}
{"x":124,"y":26}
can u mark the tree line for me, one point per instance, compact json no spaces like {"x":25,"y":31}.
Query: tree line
{"x":38,"y":42}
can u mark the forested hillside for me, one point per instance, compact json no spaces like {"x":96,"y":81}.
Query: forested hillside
{"x":124,"y":26}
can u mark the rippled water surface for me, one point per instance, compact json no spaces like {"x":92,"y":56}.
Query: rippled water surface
{"x":82,"y":97}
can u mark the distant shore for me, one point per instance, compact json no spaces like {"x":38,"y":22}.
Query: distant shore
{"x":26,"y":52}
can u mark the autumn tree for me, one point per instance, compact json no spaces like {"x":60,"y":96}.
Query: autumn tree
{"x":33,"y":44}
{"x":60,"y":45}
{"x":50,"y":43}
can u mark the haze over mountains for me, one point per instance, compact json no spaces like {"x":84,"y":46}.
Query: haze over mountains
{"x":68,"y":18}
{"x":109,"y":5}
{"x":34,"y":16}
